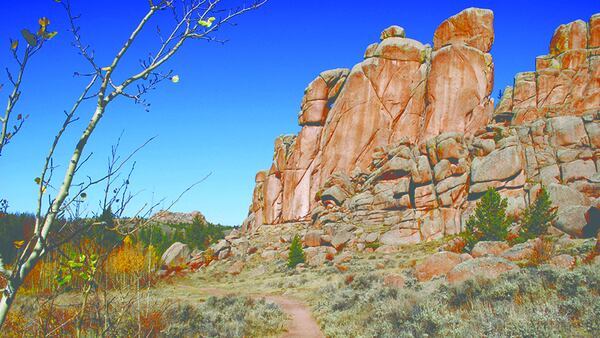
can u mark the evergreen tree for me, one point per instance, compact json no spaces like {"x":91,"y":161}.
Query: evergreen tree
{"x":102,"y":233}
{"x":489,"y":222}
{"x":201,"y":235}
{"x":13,"y":227}
{"x":177,"y":236}
{"x":296,"y":255}
{"x":538,"y":217}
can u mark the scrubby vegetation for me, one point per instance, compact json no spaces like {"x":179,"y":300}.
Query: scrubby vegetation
{"x":123,"y":260}
{"x":225,"y":317}
{"x":533,"y":302}
{"x":217,"y":317}
{"x":101,"y":273}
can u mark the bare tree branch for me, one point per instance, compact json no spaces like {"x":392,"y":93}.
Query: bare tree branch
{"x":33,"y":44}
{"x":196,"y":22}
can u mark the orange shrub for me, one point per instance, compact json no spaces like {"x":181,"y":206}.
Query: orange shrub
{"x":542,"y":252}
{"x":57,"y":320}
{"x":456,"y":245}
{"x":512,"y":237}
{"x":349,"y":279}
{"x":342,"y":268}
{"x":152,"y":323}
{"x":16,"y":324}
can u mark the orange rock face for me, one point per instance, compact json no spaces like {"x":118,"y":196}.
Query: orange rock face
{"x":459,"y":86}
{"x":566,"y":81}
{"x":472,"y":27}
{"x":404,"y":138}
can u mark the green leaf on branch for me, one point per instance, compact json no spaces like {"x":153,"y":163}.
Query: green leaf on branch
{"x":50,"y":35}
{"x":207,"y":23}
{"x":175,"y":78}
{"x":29,"y":37}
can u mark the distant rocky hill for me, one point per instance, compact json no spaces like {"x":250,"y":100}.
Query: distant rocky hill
{"x":409,"y":138}
{"x":168,"y":217}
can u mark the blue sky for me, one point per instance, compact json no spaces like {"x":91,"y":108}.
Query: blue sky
{"x":233,"y":99}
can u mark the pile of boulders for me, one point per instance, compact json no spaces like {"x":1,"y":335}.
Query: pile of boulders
{"x":489,"y":259}
{"x":338,"y":245}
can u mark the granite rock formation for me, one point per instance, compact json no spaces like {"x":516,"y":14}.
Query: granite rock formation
{"x":408,"y":139}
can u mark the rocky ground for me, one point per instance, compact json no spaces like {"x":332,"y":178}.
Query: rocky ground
{"x":340,"y":261}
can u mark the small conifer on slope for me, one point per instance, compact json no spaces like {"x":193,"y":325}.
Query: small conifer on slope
{"x":296,"y":255}
{"x":538,"y":217}
{"x":489,"y":221}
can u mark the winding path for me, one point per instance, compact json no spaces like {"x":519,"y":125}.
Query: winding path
{"x":301,"y":323}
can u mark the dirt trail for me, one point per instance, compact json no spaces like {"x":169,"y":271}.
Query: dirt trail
{"x":301,"y":323}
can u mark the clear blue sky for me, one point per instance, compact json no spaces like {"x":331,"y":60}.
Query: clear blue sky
{"x":233,"y":99}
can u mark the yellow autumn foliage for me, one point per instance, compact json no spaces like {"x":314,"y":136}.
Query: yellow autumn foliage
{"x":128,"y":259}
{"x":127,"y":264}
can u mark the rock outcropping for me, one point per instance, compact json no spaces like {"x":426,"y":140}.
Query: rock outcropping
{"x":408,"y":139}
{"x":169,"y":217}
{"x":565,"y":82}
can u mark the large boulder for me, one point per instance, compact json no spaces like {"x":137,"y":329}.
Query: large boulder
{"x":522,"y":251}
{"x":436,"y":265}
{"x":400,"y":237}
{"x":482,"y":267}
{"x":177,"y":254}
{"x":497,"y":166}
{"x":485,"y":248}
{"x":392,"y":32}
{"x":312,"y":238}
{"x":473,"y":27}
{"x":564,"y":196}
{"x":571,"y":219}
{"x":340,"y":238}
{"x":567,"y":130}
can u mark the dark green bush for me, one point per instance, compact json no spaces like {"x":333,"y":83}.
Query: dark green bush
{"x":197,"y":235}
{"x":200,"y":235}
{"x":489,"y":222}
{"x":13,"y":227}
{"x":296,"y":255}
{"x":537,"y":217}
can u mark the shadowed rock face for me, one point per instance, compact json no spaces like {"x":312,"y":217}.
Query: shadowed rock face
{"x":407,"y":139}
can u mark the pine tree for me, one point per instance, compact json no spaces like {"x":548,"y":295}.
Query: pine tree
{"x":489,"y":222}
{"x":296,"y":255}
{"x":538,"y":217}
